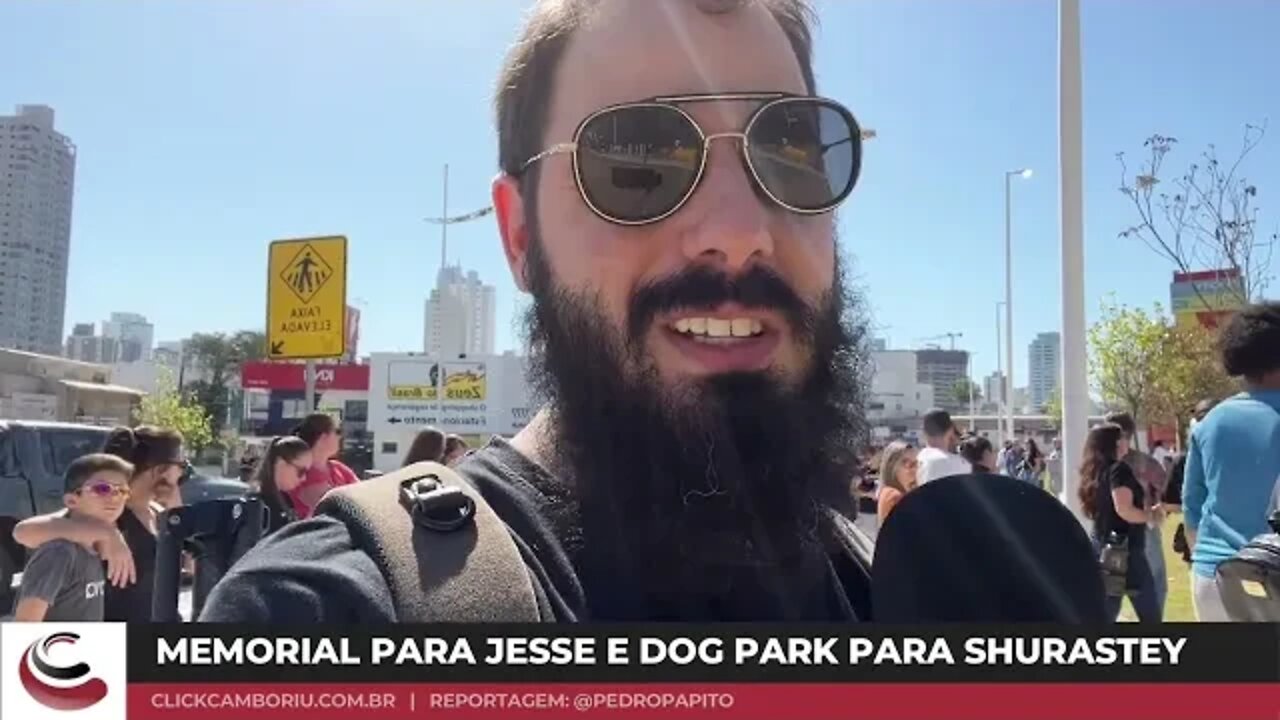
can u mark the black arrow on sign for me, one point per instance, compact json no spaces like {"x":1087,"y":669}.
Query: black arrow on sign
{"x":394,"y":421}
{"x":277,"y":347}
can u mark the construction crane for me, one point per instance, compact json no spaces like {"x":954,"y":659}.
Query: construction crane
{"x":950,"y":336}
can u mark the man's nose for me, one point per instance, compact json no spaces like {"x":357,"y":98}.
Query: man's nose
{"x":729,"y":224}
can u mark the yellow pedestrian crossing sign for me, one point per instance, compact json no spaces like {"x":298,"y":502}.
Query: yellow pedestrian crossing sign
{"x":307,"y":298}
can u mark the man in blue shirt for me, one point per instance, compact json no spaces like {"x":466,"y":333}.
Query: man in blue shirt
{"x":1234,"y":456}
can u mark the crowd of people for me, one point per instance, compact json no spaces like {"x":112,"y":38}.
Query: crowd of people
{"x":1225,"y":483}
{"x":95,"y":559}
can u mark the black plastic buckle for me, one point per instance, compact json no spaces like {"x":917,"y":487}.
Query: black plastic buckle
{"x":436,"y":506}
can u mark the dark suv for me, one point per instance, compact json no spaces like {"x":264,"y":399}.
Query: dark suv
{"x":33,"y":458}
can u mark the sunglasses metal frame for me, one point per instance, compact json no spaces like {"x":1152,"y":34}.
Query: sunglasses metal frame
{"x":673,"y":102}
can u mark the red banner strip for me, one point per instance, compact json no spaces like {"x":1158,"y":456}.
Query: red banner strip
{"x":152,"y":701}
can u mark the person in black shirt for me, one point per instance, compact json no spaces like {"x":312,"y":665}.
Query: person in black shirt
{"x":1172,"y":503}
{"x":129,"y":548}
{"x":283,"y":467}
{"x":1113,"y":499}
{"x":699,"y":352}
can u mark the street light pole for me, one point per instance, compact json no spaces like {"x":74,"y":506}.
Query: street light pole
{"x":1000,"y":400}
{"x":444,"y":221}
{"x":968,"y":371}
{"x":1075,"y":388}
{"x":1008,"y":293}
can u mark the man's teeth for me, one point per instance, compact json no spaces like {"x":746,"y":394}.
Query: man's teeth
{"x":719,"y":327}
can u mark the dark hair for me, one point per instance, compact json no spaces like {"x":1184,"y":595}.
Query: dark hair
{"x":531,"y":66}
{"x":937,"y":422}
{"x":1124,"y":420}
{"x":973,"y":448}
{"x":83,"y":468}
{"x":287,"y":448}
{"x":1250,"y":341}
{"x":1033,"y":452}
{"x":1101,"y":448}
{"x":145,"y":447}
{"x":454,"y":443}
{"x":428,"y":446}
{"x":315,"y":426}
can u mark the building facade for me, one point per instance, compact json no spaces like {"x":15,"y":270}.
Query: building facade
{"x":993,"y":389}
{"x":897,"y":395}
{"x":125,"y":338}
{"x":37,"y":181}
{"x":1044,"y":360}
{"x":133,"y":334}
{"x":942,"y":370}
{"x":459,"y":317}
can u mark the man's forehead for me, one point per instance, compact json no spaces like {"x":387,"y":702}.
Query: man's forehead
{"x":635,"y":49}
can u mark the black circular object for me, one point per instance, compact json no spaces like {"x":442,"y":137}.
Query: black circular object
{"x":984,"y":548}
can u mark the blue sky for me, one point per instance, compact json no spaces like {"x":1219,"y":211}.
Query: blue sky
{"x":206,"y":129}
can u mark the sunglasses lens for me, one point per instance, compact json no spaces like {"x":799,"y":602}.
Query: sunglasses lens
{"x":806,"y":152}
{"x":637,"y":163}
{"x":105,"y":489}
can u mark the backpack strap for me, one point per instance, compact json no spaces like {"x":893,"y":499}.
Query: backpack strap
{"x":446,"y":556}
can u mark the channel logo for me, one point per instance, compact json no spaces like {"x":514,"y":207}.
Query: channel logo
{"x":35,"y":666}
{"x":62,"y":671}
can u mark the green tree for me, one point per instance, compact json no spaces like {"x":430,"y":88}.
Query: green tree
{"x":960,"y":391}
{"x":1053,"y":409}
{"x":167,"y":408}
{"x":219,"y":356}
{"x":1185,"y":369}
{"x":1123,"y":349}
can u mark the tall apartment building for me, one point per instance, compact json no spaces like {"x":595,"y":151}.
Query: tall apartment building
{"x":993,"y":388}
{"x":942,"y":369}
{"x":37,"y":180}
{"x":132,"y":333}
{"x":459,"y":315}
{"x":1044,"y":360}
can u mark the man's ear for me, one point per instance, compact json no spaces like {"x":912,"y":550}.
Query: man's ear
{"x":508,"y":207}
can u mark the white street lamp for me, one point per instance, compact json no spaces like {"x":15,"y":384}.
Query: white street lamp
{"x":1024,"y":173}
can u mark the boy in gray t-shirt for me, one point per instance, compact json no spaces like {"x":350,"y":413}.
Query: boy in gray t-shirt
{"x":64,"y":581}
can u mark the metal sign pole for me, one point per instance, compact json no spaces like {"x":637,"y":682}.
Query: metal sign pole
{"x":311,"y":386}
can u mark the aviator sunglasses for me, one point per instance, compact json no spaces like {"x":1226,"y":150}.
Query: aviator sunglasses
{"x":639,"y":162}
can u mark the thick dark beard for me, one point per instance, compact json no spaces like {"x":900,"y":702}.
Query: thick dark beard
{"x":703,"y":501}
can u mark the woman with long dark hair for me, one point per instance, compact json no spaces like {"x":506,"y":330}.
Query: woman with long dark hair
{"x":1113,"y":499}
{"x":321,"y":433}
{"x":158,"y":463}
{"x":428,"y":446}
{"x":1032,"y":466}
{"x":280,"y":471}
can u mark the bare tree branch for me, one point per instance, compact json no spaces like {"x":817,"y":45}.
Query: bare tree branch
{"x":1208,"y":220}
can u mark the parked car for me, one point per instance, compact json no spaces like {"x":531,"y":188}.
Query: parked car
{"x":33,"y":458}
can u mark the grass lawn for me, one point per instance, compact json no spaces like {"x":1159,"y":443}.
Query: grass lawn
{"x":1177,"y":607}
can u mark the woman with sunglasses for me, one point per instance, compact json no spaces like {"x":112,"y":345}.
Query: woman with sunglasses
{"x":897,"y":477}
{"x":282,"y":469}
{"x":158,"y":462}
{"x":321,"y":433}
